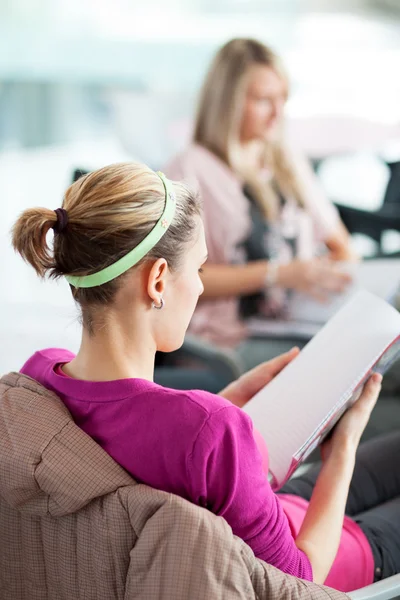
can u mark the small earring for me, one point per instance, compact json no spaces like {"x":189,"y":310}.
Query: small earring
{"x":158,"y":306}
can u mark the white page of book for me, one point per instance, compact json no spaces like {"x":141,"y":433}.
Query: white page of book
{"x":290,"y":408}
{"x":380,"y":277}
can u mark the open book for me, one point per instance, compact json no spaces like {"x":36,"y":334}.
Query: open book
{"x":300,"y":406}
{"x":305,"y":316}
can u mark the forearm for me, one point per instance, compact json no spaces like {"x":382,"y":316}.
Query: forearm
{"x":320,"y":533}
{"x":339,"y":245}
{"x":234,"y":280}
{"x":343,"y":254}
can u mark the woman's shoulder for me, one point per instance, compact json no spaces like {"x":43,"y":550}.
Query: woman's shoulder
{"x":213,"y":420}
{"x":194,"y":154}
{"x":199,"y":400}
{"x":199,"y":163}
{"x":46,"y":357}
{"x":194,"y":414}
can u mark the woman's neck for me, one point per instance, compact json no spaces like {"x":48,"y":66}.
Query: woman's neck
{"x":253,"y":154}
{"x":115,"y":351}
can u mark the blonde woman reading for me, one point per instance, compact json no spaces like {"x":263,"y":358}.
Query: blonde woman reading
{"x":269,"y":226}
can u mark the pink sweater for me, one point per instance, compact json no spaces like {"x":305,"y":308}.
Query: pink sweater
{"x":227,"y":224}
{"x":201,"y":447}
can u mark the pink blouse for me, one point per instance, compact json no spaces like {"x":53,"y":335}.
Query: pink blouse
{"x":226,"y":215}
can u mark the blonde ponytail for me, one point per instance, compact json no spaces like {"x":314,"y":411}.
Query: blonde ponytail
{"x":29,"y":238}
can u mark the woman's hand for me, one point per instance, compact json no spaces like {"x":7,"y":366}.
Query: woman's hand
{"x":320,"y":533}
{"x":318,"y":277}
{"x":243,"y":389}
{"x":348,"y":431}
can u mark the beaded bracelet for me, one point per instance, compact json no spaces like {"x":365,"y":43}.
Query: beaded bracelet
{"x":271,"y":277}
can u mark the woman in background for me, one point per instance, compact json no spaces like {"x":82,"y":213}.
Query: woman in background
{"x":269,"y":226}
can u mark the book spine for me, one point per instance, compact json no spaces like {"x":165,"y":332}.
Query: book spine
{"x":277,"y":483}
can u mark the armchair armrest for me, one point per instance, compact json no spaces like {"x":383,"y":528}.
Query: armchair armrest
{"x":382,"y":590}
{"x":372,"y":224}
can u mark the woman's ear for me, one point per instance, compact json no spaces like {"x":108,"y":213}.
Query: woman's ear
{"x":157,"y":280}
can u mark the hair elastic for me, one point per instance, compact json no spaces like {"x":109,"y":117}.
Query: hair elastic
{"x":134,"y":256}
{"x":62,"y":220}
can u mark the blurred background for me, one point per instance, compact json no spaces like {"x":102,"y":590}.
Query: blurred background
{"x":88,"y":82}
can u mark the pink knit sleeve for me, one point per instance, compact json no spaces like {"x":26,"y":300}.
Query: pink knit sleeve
{"x":226,"y":475}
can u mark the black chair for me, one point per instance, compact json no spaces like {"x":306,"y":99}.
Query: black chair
{"x":374,"y":223}
{"x":78,"y":173}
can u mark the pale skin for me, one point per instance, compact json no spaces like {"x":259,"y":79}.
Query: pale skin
{"x":263,"y":111}
{"x":127,"y":336}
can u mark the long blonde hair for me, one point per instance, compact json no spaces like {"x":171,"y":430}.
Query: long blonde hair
{"x":218,"y":122}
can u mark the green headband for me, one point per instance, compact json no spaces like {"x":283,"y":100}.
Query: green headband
{"x":135,"y":255}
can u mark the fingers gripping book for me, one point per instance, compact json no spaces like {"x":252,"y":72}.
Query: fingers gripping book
{"x":299,"y":407}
